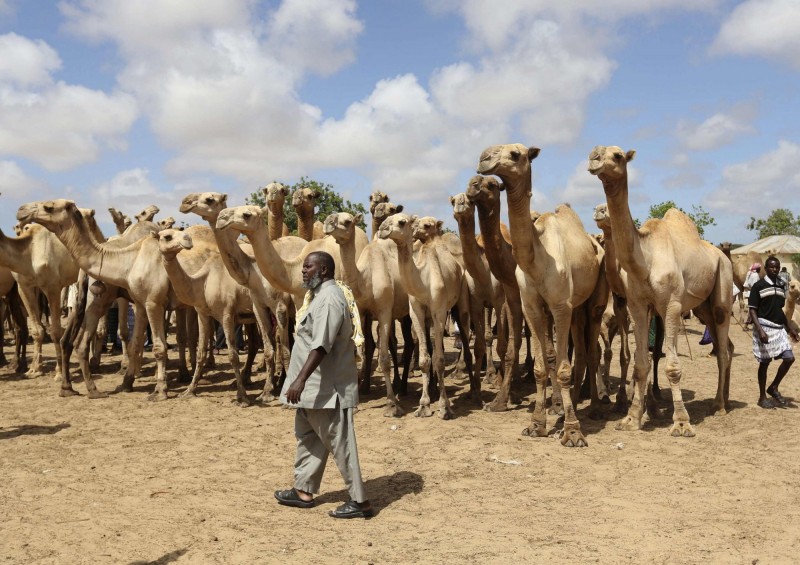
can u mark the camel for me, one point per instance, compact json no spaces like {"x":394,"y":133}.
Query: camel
{"x":375,"y":281}
{"x":39,"y":261}
{"x":239,"y":261}
{"x":284,"y":274}
{"x":12,"y":303}
{"x":380,"y":212}
{"x":378,"y":197}
{"x":670,"y":271}
{"x":484,"y":192}
{"x":147,"y":214}
{"x":561,"y":271}
{"x":121,"y":221}
{"x":166,"y":223}
{"x":275,"y":195}
{"x":741,"y":267}
{"x":790,"y":308}
{"x":137,"y":268}
{"x":435,"y":284}
{"x":304,"y":200}
{"x":485,"y":290}
{"x":213,"y":292}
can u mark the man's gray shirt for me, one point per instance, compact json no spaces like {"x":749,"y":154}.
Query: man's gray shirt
{"x":325,"y":324}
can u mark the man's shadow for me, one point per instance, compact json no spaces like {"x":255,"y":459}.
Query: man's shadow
{"x":381,"y":491}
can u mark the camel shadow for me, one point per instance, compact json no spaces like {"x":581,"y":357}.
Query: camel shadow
{"x":164,"y":559}
{"x":382,"y":491}
{"x":32,"y":430}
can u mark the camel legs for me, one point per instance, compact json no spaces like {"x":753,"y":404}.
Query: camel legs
{"x":717,"y":318}
{"x":536,"y":320}
{"x":264,"y":321}
{"x":490,"y":376}
{"x":641,"y":366}
{"x":155,"y":315}
{"x":96,"y":308}
{"x":425,"y":363}
{"x":461,"y":313}
{"x":680,"y":418}
{"x":205,"y":329}
{"x":623,"y":327}
{"x":135,"y":348}
{"x":229,"y":327}
{"x":406,"y":327}
{"x":31,"y":302}
{"x":512,"y":335}
{"x":384,"y":335}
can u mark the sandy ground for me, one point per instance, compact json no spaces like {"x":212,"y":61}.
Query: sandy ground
{"x":124,"y":480}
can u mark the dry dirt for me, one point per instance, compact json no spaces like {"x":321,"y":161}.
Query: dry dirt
{"x":124,"y":480}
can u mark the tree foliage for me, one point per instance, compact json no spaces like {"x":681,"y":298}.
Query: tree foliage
{"x":698,"y":215}
{"x":779,"y":222}
{"x":329,"y":202}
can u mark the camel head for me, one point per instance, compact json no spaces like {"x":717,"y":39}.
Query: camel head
{"x":601,"y":217}
{"x":55,"y":215}
{"x":147,"y":214}
{"x":793,"y":293}
{"x":305,"y":197}
{"x":207,"y":205}
{"x":398,"y":228}
{"x":342,"y":226}
{"x":609,"y":163}
{"x":245,"y":219}
{"x":383,"y":210}
{"x":171,"y":242}
{"x":166,"y":223}
{"x":121,"y":221}
{"x":485,"y":193}
{"x":463,"y":208}
{"x":377,"y":197}
{"x":426,"y":228}
{"x":275,"y":194}
{"x":600,"y":238}
{"x":507,"y":161}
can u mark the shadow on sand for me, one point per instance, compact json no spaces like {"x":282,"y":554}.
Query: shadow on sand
{"x":32,"y":430}
{"x":382,"y":491}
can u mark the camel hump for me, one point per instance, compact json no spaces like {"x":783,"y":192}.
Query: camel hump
{"x":679,"y":220}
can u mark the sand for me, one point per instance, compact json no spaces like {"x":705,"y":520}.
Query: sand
{"x":125,"y":480}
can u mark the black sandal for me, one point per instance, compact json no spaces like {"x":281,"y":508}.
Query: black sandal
{"x":351,"y":509}
{"x":774,"y":393}
{"x":767,"y":403}
{"x":291,"y":498}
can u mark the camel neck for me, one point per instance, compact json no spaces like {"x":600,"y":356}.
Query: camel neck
{"x":233,"y":257}
{"x":275,"y":221}
{"x":15,"y":253}
{"x":625,"y":236}
{"x":497,"y":249}
{"x":286,"y":276}
{"x":305,"y":223}
{"x":472,"y":253}
{"x":523,"y":235}
{"x":350,"y":273}
{"x":612,"y":264}
{"x":182,"y":283}
{"x":409,"y":271}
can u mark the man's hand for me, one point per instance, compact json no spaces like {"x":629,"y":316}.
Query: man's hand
{"x":293,"y":392}
{"x":762,"y":336}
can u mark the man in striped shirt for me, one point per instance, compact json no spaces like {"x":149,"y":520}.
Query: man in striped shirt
{"x":771,"y":332}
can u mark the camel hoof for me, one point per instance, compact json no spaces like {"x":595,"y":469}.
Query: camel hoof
{"x":32,"y":374}
{"x":717,"y":410}
{"x":265,"y":397}
{"x":535,"y":430}
{"x":67,"y":392}
{"x":572,"y":436}
{"x":628,"y":424}
{"x":681,"y":429}
{"x":393,"y":411}
{"x":242,"y":402}
{"x":446,"y":414}
{"x":157,"y":396}
{"x":188,"y":394}
{"x":556,"y":410}
{"x":496,"y":405}
{"x":423,"y":412}
{"x":93,"y":394}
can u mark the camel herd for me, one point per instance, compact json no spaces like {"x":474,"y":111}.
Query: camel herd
{"x":572,"y":289}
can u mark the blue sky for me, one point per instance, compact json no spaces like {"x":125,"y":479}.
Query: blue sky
{"x":119,"y":103}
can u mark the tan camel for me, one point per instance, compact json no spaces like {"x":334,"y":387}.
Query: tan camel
{"x":166,"y":223}
{"x":11,"y":303}
{"x":485,"y":290}
{"x":616,"y":321}
{"x":284,"y":274}
{"x":275,"y":195}
{"x":380,"y":212}
{"x":39,"y":261}
{"x":377,"y":197}
{"x":137,"y":268}
{"x":121,"y":221}
{"x":214,"y":293}
{"x":435,"y":284}
{"x":792,"y":306}
{"x":379,"y":292}
{"x":304,"y":200}
{"x":561,"y":266}
{"x":485,"y":193}
{"x":670,"y":270}
{"x":147,"y":214}
{"x":239,"y":261}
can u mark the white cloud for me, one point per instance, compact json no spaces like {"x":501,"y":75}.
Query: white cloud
{"x":714,"y":132}
{"x":585,"y":189}
{"x":767,"y":28}
{"x":16,"y":183}
{"x":770,"y":180}
{"x":26,"y":63}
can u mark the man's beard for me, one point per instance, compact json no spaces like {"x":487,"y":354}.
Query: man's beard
{"x":313,"y":282}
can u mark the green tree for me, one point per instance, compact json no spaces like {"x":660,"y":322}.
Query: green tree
{"x":329,"y":203}
{"x":780,"y":222}
{"x":698,"y":215}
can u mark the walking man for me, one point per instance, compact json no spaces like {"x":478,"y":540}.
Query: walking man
{"x":771,"y":331}
{"x":322,"y":383}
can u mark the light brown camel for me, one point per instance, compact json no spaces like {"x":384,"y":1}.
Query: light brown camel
{"x":284,"y":274}
{"x":147,"y":214}
{"x":121,"y":221}
{"x":304,"y":200}
{"x":618,"y":285}
{"x":377,"y":197}
{"x":670,"y":271}
{"x":214,"y":293}
{"x":435,"y":284}
{"x":485,"y":290}
{"x":137,"y":268}
{"x":11,"y":303}
{"x":792,"y":306}
{"x":39,"y":261}
{"x":379,"y":292}
{"x":741,"y":267}
{"x":380,"y":212}
{"x":485,"y":193}
{"x":275,"y":195}
{"x":166,"y":223}
{"x":239,"y":261}
{"x":561,"y":266}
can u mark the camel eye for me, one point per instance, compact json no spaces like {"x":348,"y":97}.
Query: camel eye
{"x":246,"y":215}
{"x":347,"y":222}
{"x":402,"y":222}
{"x":515,"y":155}
{"x":209,"y":200}
{"x":617,"y":156}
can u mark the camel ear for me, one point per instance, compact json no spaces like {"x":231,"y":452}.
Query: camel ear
{"x":629,"y":155}
{"x":413,"y":219}
{"x":439,"y":224}
{"x":452,"y":201}
{"x":154,"y":234}
{"x":224,"y":199}
{"x":399,"y":209}
{"x":533,"y":152}
{"x":317,"y":195}
{"x":358,"y":217}
{"x":91,"y":212}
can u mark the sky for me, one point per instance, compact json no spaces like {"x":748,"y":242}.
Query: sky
{"x":125,"y":104}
